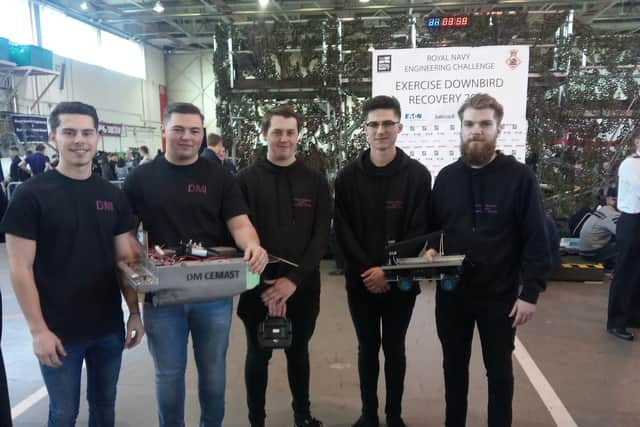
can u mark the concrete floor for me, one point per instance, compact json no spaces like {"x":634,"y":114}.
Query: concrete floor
{"x":596,"y":376}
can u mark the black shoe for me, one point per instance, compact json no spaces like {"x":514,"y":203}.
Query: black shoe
{"x":395,"y":422}
{"x":364,"y":421}
{"x":621,"y":333}
{"x":308,"y":422}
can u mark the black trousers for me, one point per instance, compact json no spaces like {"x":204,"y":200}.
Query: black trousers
{"x":303,"y":311}
{"x":456,"y":317}
{"x":381,"y":319}
{"x":624,"y":294}
{"x":5,"y":406}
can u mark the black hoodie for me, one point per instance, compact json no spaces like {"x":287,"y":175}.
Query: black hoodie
{"x":375,"y":205}
{"x":494,"y":216}
{"x":290,"y":207}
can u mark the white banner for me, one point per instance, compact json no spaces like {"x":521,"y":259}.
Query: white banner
{"x":431,"y":84}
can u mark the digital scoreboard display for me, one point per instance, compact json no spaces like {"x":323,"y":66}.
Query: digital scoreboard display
{"x":442,"y":22}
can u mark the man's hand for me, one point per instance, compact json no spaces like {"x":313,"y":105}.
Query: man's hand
{"x":522,"y":312}
{"x":135,"y":249}
{"x":47,"y":348}
{"x":431,"y":255}
{"x":256,"y":257}
{"x":279,"y":292}
{"x":374,"y":280}
{"x":277,"y":309}
{"x":135,"y":331}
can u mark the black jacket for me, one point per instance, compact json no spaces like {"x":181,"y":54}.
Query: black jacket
{"x":494,"y":216}
{"x":374,"y":205}
{"x":3,"y":207}
{"x":290,"y":207}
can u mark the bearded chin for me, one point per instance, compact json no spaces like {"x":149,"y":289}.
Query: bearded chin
{"x":478,"y":154}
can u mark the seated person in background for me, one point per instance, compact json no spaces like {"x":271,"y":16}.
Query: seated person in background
{"x":597,"y":236}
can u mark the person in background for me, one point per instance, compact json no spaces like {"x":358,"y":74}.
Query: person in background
{"x":144,"y":150}
{"x":36,"y":163}
{"x":598,"y":233}
{"x":16,"y":173}
{"x":624,"y":294}
{"x":216,"y":152}
{"x":5,"y":406}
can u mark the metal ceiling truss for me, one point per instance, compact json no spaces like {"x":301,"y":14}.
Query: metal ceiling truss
{"x":189,"y":24}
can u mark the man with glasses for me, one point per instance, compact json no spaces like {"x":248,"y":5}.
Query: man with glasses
{"x":381,"y":196}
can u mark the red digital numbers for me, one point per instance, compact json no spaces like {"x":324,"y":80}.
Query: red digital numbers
{"x":454,"y":21}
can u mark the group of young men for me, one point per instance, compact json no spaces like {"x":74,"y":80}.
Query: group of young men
{"x":66,"y":229}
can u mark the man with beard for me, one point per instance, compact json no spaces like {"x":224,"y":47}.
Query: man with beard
{"x":381,"y":196}
{"x":489,"y":207}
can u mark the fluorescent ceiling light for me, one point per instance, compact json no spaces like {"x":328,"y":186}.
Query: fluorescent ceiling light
{"x":263,"y":3}
{"x":84,"y":5}
{"x":158,"y":7}
{"x":364,"y":1}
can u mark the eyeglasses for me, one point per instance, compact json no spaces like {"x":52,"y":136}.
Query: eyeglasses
{"x":385,"y":125}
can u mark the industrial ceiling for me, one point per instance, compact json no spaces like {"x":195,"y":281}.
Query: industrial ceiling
{"x":186,"y":25}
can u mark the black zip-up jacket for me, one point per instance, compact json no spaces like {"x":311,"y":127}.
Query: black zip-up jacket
{"x":494,"y":216}
{"x":290,"y":207}
{"x":375,"y":205}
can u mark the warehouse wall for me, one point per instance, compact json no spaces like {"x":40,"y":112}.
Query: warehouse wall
{"x":190,"y":78}
{"x":119,"y":98}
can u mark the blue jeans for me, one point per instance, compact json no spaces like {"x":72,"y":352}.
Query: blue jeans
{"x":168,"y":330}
{"x":103,"y":357}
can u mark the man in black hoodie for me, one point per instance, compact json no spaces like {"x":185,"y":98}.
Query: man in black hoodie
{"x":489,"y":207}
{"x":289,"y":204}
{"x":381,"y":196}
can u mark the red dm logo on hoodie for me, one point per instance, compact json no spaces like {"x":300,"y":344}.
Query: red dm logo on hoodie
{"x":197,"y":188}
{"x":394,"y":204}
{"x":104,"y":205}
{"x":300,"y":202}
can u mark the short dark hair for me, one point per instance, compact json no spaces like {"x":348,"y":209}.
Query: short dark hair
{"x":13,"y":148}
{"x":284,"y":110}
{"x":481,"y":101}
{"x":40,"y":147}
{"x":180,"y":108}
{"x":72,"y":107}
{"x":213,"y":140}
{"x":144,"y":149}
{"x":381,"y":102}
